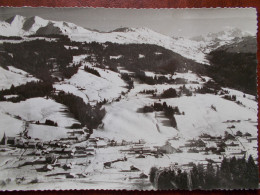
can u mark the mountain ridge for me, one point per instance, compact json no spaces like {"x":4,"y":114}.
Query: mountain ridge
{"x":195,"y":49}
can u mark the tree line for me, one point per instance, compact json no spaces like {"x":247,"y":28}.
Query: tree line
{"x":231,"y":174}
{"x":28,"y":90}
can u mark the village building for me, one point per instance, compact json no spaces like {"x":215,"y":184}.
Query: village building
{"x":233,"y":148}
{"x":76,"y":132}
{"x":167,"y":149}
{"x":252,"y":139}
{"x":90,"y":151}
{"x":32,"y":145}
{"x":9,"y":140}
{"x":101,"y":144}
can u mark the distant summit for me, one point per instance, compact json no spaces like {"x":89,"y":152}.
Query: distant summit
{"x":227,"y":34}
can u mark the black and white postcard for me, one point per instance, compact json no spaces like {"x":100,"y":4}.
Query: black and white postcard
{"x":134,"y":99}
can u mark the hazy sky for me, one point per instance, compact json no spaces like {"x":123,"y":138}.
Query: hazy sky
{"x":172,"y":22}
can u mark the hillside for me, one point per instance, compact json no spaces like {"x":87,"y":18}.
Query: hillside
{"x":234,"y":65}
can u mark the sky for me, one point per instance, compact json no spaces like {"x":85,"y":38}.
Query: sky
{"x":171,"y":22}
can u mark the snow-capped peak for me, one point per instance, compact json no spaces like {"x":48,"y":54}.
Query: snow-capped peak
{"x":31,"y":25}
{"x":20,"y":26}
{"x":15,"y":20}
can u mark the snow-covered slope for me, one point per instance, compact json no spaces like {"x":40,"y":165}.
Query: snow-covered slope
{"x":124,"y":122}
{"x":20,"y":26}
{"x":90,"y":87}
{"x":14,"y":115}
{"x":14,"y":76}
{"x":185,"y":47}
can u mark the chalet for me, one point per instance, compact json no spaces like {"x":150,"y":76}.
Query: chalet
{"x":80,"y":148}
{"x":124,"y":143}
{"x":53,"y":144}
{"x":32,"y":145}
{"x":93,"y":144}
{"x":76,"y":132}
{"x":136,"y":148}
{"x":211,"y":149}
{"x":167,"y":149}
{"x":247,"y":135}
{"x":112,"y":143}
{"x":252,"y":139}
{"x":210,"y":144}
{"x":205,"y":136}
{"x":233,"y":148}
{"x":67,"y":151}
{"x":65,"y":156}
{"x":57,"y":151}
{"x":38,"y":153}
{"x":39,"y":145}
{"x":193,"y":150}
{"x":232,"y":142}
{"x":138,"y":145}
{"x":73,"y":138}
{"x":44,"y":147}
{"x":80,"y":152}
{"x":91,"y":139}
{"x":101,"y":144}
{"x":19,"y":142}
{"x":90,"y":150}
{"x":196,"y":143}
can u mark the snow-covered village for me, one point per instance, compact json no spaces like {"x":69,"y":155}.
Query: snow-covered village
{"x":129,"y":108}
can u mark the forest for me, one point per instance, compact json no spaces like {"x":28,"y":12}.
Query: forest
{"x":29,"y":90}
{"x":231,"y":174}
{"x":155,"y":58}
{"x":231,"y":68}
{"x":168,"y":111}
{"x":90,"y":116}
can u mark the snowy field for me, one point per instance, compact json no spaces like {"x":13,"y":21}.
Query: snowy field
{"x":15,"y":115}
{"x":14,"y":76}
{"x":197,"y":108}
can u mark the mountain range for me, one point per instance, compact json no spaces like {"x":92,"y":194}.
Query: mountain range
{"x":195,"y":48}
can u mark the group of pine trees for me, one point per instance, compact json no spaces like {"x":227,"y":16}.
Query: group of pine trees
{"x":90,"y":116}
{"x":128,"y":80}
{"x":152,"y":80}
{"x":231,"y":174}
{"x":28,"y":90}
{"x":91,"y":70}
{"x":169,"y":93}
{"x":168,"y":110}
{"x":39,"y":57}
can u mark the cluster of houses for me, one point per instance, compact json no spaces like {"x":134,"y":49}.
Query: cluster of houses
{"x":141,"y":150}
{"x":228,"y":145}
{"x":62,"y":147}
